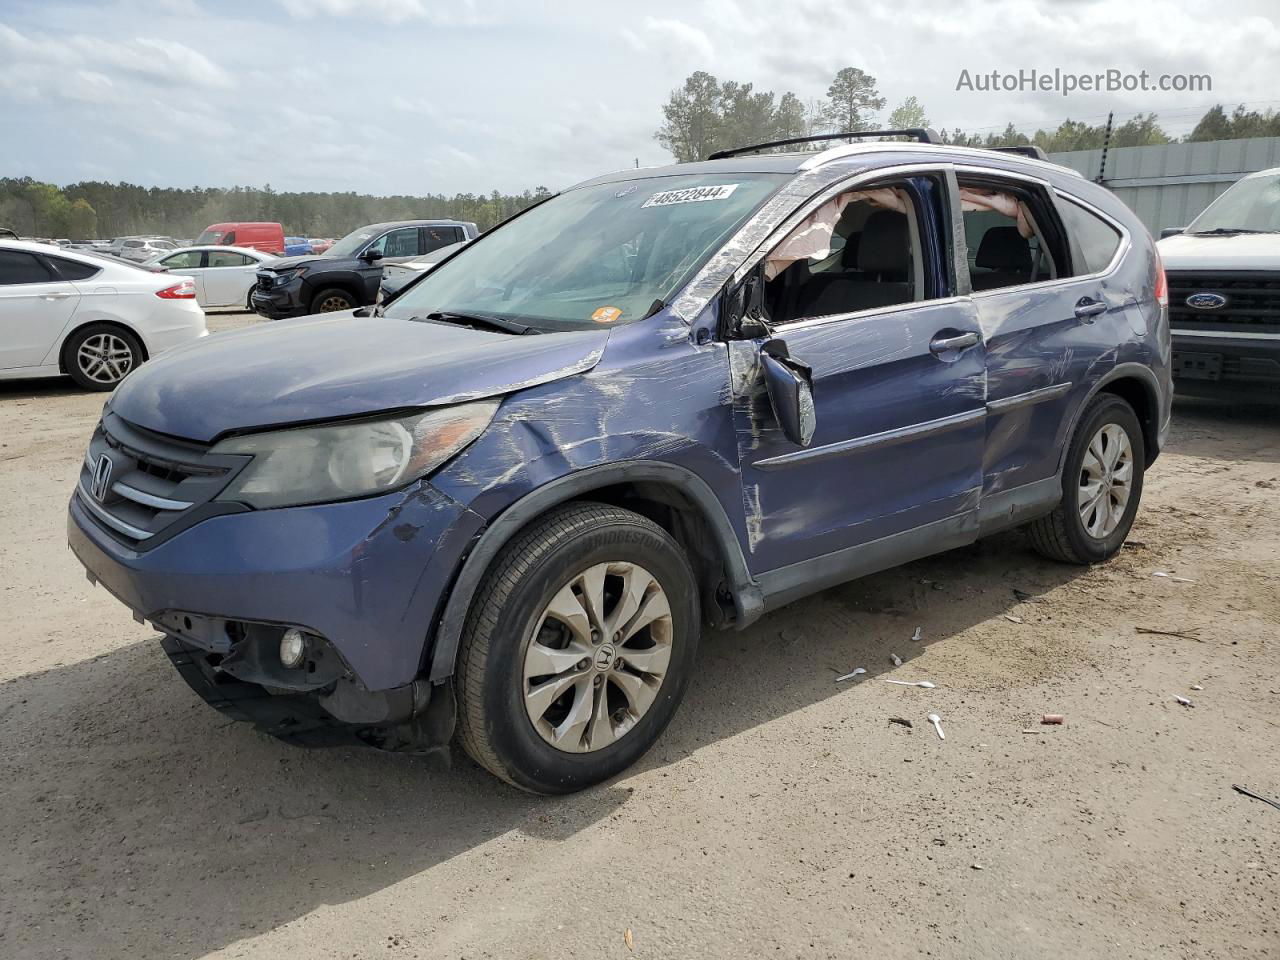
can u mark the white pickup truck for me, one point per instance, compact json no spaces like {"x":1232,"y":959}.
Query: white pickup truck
{"x":1224,"y":293}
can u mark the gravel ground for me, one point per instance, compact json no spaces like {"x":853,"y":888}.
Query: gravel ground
{"x":782,"y":815}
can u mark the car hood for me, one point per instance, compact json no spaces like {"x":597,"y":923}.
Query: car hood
{"x":325,"y":368}
{"x":1241,"y":251}
{"x":283,"y":264}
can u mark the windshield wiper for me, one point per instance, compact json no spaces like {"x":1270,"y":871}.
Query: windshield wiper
{"x":1226,"y":231}
{"x":477,"y":320}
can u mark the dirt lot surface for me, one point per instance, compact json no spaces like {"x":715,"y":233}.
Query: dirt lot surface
{"x":782,"y":815}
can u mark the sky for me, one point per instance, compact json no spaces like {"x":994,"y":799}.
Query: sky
{"x":419,"y":96}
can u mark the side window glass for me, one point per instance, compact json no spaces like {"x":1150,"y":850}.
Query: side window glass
{"x":227,"y":258}
{"x":1096,"y":239}
{"x":73,"y":269}
{"x":398,"y":243}
{"x":182,"y":261}
{"x":1005,"y":236}
{"x":18,"y":267}
{"x":858,"y":251}
{"x":229,"y":240}
{"x":436,"y":237}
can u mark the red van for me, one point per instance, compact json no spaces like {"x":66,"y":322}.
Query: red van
{"x":267,"y":237}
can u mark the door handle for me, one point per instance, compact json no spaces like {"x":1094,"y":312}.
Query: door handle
{"x":961,"y":341}
{"x":54,"y":296}
{"x":1087,"y":309}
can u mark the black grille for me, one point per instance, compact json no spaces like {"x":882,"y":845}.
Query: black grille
{"x":140,"y":486}
{"x":1252,"y":301}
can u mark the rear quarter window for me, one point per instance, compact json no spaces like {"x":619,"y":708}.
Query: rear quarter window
{"x":1095,"y":240}
{"x":74,"y":269}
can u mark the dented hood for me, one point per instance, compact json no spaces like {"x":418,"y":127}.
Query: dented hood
{"x":324,"y":368}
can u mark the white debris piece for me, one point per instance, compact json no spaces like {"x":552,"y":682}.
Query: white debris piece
{"x":853,"y":673}
{"x":907,"y":683}
{"x":937,"y":725}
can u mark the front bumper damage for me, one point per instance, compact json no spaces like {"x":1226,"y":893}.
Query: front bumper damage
{"x":363,"y":580}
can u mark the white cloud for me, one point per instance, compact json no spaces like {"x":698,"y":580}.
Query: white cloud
{"x":689,"y":38}
{"x":457,"y":13}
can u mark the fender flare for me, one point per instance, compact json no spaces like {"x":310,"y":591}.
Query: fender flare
{"x":747,"y":597}
{"x":1121,"y":371}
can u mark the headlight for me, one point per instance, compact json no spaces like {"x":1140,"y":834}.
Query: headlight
{"x":346,"y":460}
{"x":282,"y":278}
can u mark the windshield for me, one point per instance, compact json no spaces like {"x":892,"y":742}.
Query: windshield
{"x":351,"y":244}
{"x":209,"y":236}
{"x":594,"y":256}
{"x":1250,"y":205}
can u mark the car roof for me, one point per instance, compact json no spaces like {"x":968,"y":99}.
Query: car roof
{"x":860,"y":155}
{"x":220,"y":246}
{"x":409,"y":223}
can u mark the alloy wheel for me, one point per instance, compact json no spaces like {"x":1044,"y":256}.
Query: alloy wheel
{"x":598,"y":657}
{"x":104,"y":358}
{"x":1106,"y":476}
{"x":333,"y":304}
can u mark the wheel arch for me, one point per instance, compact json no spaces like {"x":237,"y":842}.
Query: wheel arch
{"x":1137,"y":385}
{"x":674,"y":497}
{"x":81,"y":325}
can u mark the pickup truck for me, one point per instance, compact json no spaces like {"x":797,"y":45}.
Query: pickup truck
{"x":1224,"y":293}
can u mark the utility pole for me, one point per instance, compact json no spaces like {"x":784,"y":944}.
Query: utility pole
{"x":1106,"y":142}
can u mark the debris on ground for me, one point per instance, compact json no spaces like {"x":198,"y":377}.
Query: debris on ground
{"x":1053,"y":718}
{"x":1256,"y":796}
{"x":1012,"y":619}
{"x":976,"y":866}
{"x":851,"y":674}
{"x":1133,"y":544}
{"x":909,"y":683}
{"x":1170,"y":576}
{"x":1196,"y":686}
{"x":895,"y":659}
{"x":1190,"y":634}
{"x":1022,"y":596}
{"x":902,"y":722}
{"x":629,"y":940}
{"x":918,"y":635}
{"x":937,"y":725}
{"x":1183,"y":701}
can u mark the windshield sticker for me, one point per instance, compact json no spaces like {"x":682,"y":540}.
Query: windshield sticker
{"x":607,"y":314}
{"x":690,"y":195}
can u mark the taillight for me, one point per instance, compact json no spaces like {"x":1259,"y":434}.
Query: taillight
{"x":1162,"y":283}
{"x":183,"y":290}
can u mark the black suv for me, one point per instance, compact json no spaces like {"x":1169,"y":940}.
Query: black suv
{"x":348,"y":274}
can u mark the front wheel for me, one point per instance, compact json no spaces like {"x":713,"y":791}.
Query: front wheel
{"x":577,"y":650}
{"x":332,"y":300}
{"x":1101,"y":486}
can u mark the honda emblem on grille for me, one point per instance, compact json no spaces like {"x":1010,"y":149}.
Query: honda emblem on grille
{"x":1206,"y":301}
{"x":101,"y":478}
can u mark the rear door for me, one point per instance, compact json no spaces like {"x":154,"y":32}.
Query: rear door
{"x":228,"y":275}
{"x":898,"y":374}
{"x":35,"y":306}
{"x":433,"y":238}
{"x":1051,"y":319}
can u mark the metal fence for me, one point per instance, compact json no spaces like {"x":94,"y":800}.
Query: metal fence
{"x":1167,"y":185}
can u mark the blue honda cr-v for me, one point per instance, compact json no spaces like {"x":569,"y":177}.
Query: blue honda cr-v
{"x":508,"y":501}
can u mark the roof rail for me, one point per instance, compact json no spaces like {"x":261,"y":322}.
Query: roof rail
{"x":1023,"y":150}
{"x":920,"y":134}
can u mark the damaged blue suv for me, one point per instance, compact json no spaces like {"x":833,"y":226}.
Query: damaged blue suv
{"x":504,"y":505}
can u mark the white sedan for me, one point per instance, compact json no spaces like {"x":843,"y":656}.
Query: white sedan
{"x":223,"y":275}
{"x":91,"y":317}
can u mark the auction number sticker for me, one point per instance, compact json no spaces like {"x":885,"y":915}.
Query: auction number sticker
{"x":690,"y":195}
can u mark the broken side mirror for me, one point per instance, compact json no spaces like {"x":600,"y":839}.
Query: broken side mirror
{"x":744,"y":308}
{"x":790,"y":386}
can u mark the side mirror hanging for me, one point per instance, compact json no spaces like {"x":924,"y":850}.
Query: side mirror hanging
{"x":790,"y":386}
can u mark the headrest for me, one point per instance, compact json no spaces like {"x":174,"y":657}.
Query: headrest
{"x":1004,"y":248}
{"x":885,"y":245}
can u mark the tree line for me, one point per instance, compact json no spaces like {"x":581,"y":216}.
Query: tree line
{"x":94,"y":209}
{"x":705,"y":115}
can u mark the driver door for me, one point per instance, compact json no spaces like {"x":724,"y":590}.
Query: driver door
{"x":894,"y":467}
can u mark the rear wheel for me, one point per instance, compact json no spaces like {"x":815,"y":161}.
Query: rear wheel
{"x":578,"y":649}
{"x":1101,"y":486}
{"x":100,"y":356}
{"x":332,"y":300}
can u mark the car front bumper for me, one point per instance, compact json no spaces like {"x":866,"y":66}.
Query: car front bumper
{"x":1207,"y":365}
{"x":279,"y":303}
{"x":367,"y":576}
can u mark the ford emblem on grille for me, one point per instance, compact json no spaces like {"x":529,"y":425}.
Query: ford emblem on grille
{"x":101,"y":478}
{"x":1207,"y":301}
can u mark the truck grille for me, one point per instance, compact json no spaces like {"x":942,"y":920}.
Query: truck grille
{"x":1252,"y":301}
{"x":142,"y":487}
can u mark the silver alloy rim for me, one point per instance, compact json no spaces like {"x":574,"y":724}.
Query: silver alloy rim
{"x":1106,"y":478}
{"x":104,"y":358}
{"x":333,"y":304}
{"x":597,"y":658}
